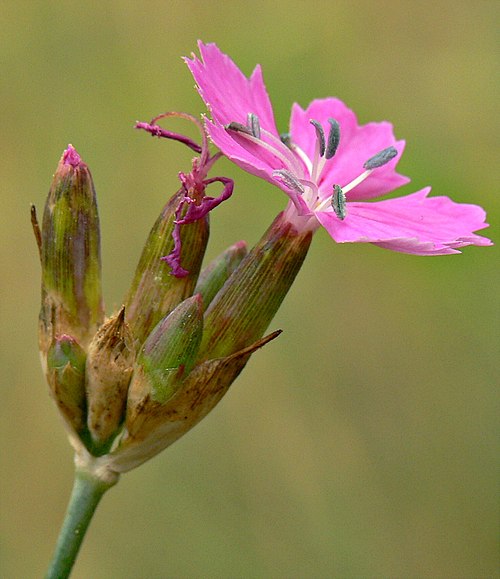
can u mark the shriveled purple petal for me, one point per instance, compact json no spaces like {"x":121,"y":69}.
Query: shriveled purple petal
{"x":413,"y":224}
{"x":157,"y":131}
{"x":174,"y":257}
{"x":195,"y":212}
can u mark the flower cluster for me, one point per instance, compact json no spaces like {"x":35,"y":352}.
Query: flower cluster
{"x":131,"y":384}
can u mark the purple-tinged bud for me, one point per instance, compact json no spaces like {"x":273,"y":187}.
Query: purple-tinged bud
{"x":110,"y":361}
{"x":155,"y":292}
{"x":69,"y":245}
{"x":216,"y":273}
{"x":242,"y":310}
{"x":65,"y":370}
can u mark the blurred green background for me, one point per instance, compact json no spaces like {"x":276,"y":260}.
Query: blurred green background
{"x":362,"y":442}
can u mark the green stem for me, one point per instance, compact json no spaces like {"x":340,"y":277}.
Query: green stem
{"x":88,"y":490}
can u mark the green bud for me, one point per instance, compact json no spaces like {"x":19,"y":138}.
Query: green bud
{"x":167,"y":356}
{"x":216,"y":273}
{"x":152,"y":426}
{"x":242,"y":310}
{"x":155,"y":292}
{"x":65,"y":370}
{"x":69,"y":245}
{"x":109,"y":366}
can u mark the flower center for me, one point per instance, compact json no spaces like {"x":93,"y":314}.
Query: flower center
{"x":294,"y":159}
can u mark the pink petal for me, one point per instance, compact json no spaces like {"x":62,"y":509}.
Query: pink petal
{"x":248,"y":156}
{"x":304,"y":134}
{"x":230,"y":96}
{"x":357,"y":144}
{"x":412,"y":224}
{"x":227,"y":92}
{"x":252,"y":158}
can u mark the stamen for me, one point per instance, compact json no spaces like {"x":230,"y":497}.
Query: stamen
{"x":239,"y":128}
{"x":254,"y":124}
{"x":275,"y":147}
{"x":286,"y":139}
{"x":303,"y":157}
{"x":338,"y":202}
{"x":320,"y":135}
{"x":333,"y":139}
{"x":357,"y":181}
{"x":380,"y":159}
{"x":311,"y":185}
{"x":289,"y":180}
{"x":286,"y":154}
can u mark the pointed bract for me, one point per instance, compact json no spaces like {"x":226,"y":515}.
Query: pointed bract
{"x":152,"y":426}
{"x":65,"y":371}
{"x":109,"y":366}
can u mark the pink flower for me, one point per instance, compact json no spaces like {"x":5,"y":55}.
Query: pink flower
{"x":329,"y":166}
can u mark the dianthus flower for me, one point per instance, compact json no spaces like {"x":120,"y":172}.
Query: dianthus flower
{"x":329,"y":165}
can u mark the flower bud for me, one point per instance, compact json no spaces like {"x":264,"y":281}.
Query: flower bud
{"x":109,"y":366}
{"x":242,"y":310}
{"x":154,"y":291}
{"x":69,"y":244}
{"x":216,"y":273}
{"x":166,"y":359}
{"x":65,"y":370}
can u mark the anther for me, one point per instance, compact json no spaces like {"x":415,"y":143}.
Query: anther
{"x":380,"y":159}
{"x":333,"y":139}
{"x":320,"y":135}
{"x":286,"y":139}
{"x":289,"y":180}
{"x":338,"y":202}
{"x":254,"y":124}
{"x":239,"y":128}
